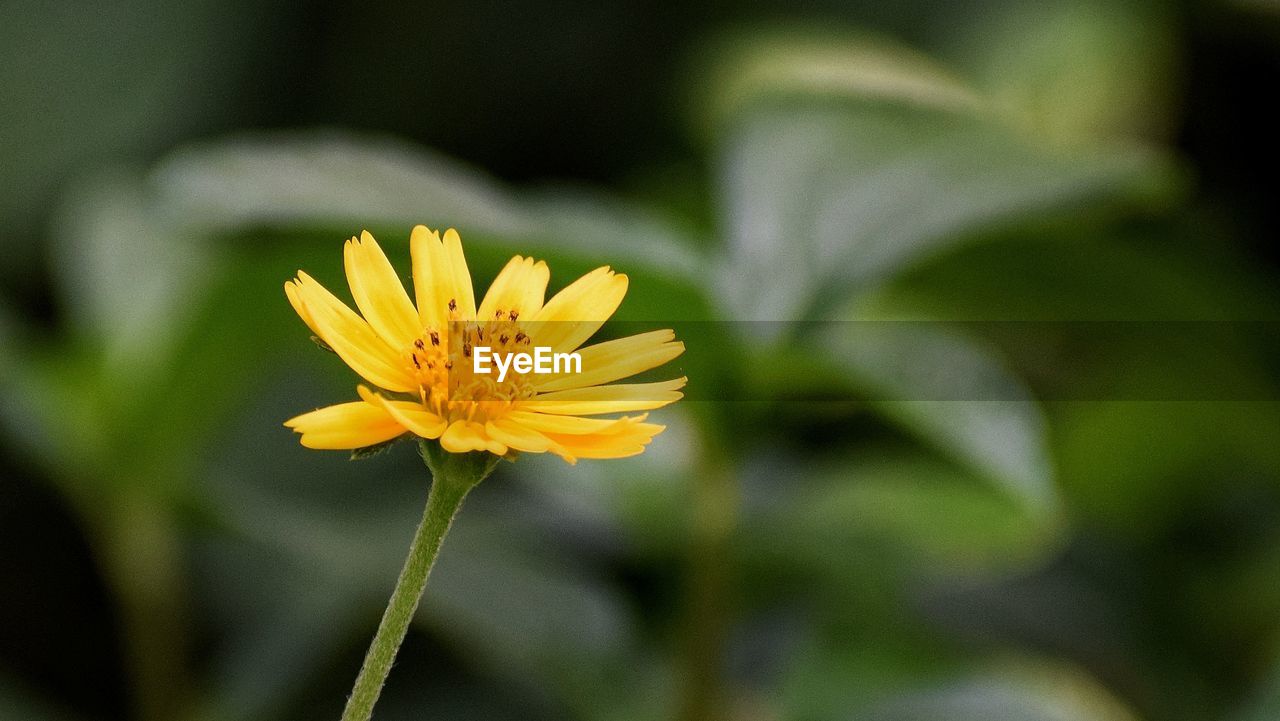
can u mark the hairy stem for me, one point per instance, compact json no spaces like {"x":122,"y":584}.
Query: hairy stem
{"x":454,"y":477}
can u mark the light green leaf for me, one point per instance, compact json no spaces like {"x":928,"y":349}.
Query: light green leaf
{"x":330,"y":180}
{"x":131,"y":272}
{"x":910,"y":514}
{"x":823,"y":199}
{"x":844,"y":162}
{"x":953,"y":394}
{"x":1078,"y":71}
{"x":348,"y":182}
{"x":1052,"y":694}
{"x":746,"y":68}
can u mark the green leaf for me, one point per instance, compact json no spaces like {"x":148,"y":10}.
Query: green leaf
{"x":826,"y":194}
{"x":131,"y":274}
{"x":1051,"y":694}
{"x":1079,"y":71}
{"x":1110,"y":389}
{"x":748,"y":68}
{"x":348,"y":181}
{"x":330,"y":180}
{"x":955,"y":395}
{"x":900,"y":514}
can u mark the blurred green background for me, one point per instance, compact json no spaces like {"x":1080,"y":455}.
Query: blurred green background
{"x":1026,"y":552}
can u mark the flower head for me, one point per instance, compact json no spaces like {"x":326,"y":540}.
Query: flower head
{"x":418,"y":357}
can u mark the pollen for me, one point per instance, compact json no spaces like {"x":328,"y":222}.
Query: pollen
{"x":446,"y":382}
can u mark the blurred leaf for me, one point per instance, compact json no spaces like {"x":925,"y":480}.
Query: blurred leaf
{"x":280,"y":616}
{"x":349,"y":181}
{"x":531,"y":614}
{"x":502,"y":594}
{"x":1077,"y":70}
{"x":88,"y":84}
{"x":1138,"y":466}
{"x":130,"y":272}
{"x":953,"y":394}
{"x":1072,"y":272}
{"x":329,"y":180}
{"x":17,"y":702}
{"x":824,"y":194}
{"x":1052,"y":695}
{"x":906,"y":514}
{"x":8,"y":342}
{"x":1131,"y":452}
{"x":1264,"y":705}
{"x":641,"y":504}
{"x":112,"y":227}
{"x":812,"y":62}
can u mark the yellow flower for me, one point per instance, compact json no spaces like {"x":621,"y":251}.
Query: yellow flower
{"x":419,"y":358}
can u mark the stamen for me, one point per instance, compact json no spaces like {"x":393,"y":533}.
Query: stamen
{"x":451,"y":389}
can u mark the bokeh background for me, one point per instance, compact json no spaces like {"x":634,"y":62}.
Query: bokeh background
{"x":881,"y":520}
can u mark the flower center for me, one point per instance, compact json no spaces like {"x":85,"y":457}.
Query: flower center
{"x":448,"y":385}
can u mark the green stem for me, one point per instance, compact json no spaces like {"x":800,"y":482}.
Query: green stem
{"x":142,"y":561}
{"x":453,"y":477}
{"x":708,"y":596}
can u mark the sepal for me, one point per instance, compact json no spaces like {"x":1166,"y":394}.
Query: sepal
{"x":359,"y":454}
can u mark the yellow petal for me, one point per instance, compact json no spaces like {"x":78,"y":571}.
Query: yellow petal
{"x":520,"y":286}
{"x":620,"y":398}
{"x":575,"y":313}
{"x":345,"y":426}
{"x":614,"y":360}
{"x":291,"y":290}
{"x":460,"y":278}
{"x":412,"y":416}
{"x":379,"y":293}
{"x":570,"y":424}
{"x":517,"y":436}
{"x":631,"y":441}
{"x":463,"y":436}
{"x":429,"y":276}
{"x":440,"y":277}
{"x":352,"y":339}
